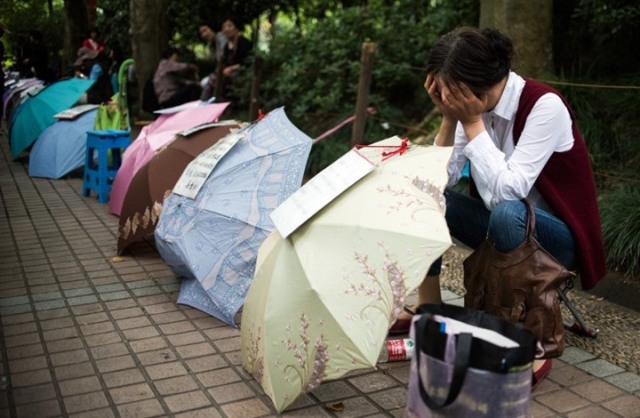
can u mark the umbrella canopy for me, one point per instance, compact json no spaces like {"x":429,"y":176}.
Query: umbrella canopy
{"x":37,"y":112}
{"x":13,"y":96}
{"x":213,"y":240}
{"x":323,"y":299}
{"x":152,"y":138}
{"x":146,"y":193}
{"x":61,"y":147}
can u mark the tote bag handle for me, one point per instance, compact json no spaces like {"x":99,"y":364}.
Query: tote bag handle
{"x":460,"y":365}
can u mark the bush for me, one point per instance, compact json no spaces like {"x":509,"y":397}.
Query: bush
{"x":621,"y":229}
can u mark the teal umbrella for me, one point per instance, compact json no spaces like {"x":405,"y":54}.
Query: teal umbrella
{"x":37,"y":112}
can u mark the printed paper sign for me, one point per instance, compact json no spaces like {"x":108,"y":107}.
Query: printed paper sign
{"x":319,"y":191}
{"x":198,"y":170}
{"x":74,"y":112}
{"x":207,"y":125}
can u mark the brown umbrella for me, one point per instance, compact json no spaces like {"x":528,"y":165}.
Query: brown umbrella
{"x":154,"y":181}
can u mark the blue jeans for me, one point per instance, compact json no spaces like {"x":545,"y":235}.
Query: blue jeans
{"x":470,"y":222}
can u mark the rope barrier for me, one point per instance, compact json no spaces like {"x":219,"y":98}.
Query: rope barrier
{"x":561,"y":83}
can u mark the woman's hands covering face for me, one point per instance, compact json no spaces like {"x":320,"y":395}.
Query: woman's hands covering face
{"x":455,"y":101}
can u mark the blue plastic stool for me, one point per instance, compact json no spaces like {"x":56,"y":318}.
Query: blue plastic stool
{"x":101,"y":169}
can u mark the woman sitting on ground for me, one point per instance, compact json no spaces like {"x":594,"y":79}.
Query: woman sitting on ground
{"x":522,"y":142}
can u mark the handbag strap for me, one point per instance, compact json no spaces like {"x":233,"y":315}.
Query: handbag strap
{"x":531,"y":218}
{"x":460,"y":365}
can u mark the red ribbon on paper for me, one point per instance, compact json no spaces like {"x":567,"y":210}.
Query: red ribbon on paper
{"x":399,"y":150}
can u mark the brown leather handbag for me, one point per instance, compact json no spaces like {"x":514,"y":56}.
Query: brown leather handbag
{"x":519,"y":286}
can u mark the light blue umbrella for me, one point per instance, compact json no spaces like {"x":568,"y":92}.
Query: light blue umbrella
{"x":213,"y":240}
{"x":61,"y":147}
{"x":37,"y":112}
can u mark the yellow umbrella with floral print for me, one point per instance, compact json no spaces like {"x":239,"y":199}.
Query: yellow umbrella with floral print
{"x":323,"y":298}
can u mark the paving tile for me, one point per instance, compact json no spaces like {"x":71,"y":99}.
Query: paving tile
{"x":92,"y":318}
{"x":17,"y":329}
{"x":141,"y":409}
{"x":85,"y":402}
{"x":135,"y":322}
{"x":231,"y":392}
{"x":592,"y":411}
{"x":228,"y":344}
{"x":186,"y":338}
{"x":562,"y":401}
{"x":22,"y":339}
{"x":132,"y":393}
{"x":140,"y":333}
{"x":330,"y":391}
{"x":123,"y":378}
{"x":44,"y":409}
{"x":195,"y":350}
{"x":74,"y":370}
{"x":210,"y":412}
{"x":69,"y":357}
{"x":373,"y":382}
{"x":115,"y":363}
{"x":148,"y":344}
{"x":627,"y":381}
{"x":96,"y":413}
{"x":30,"y":378}
{"x":24,"y":351}
{"x":390,"y":399}
{"x":79,"y":385}
{"x":186,"y":401}
{"x":163,"y":371}
{"x":103,"y":339}
{"x":202,"y":364}
{"x":64,"y":345}
{"x":109,"y":350}
{"x":175,"y":385}
{"x":627,"y":406}
{"x":537,"y":410}
{"x":248,"y":408}
{"x":176,"y":327}
{"x":96,"y":328}
{"x":569,"y":375}
{"x":596,"y":390}
{"x":600,"y":367}
{"x":157,"y":356}
{"x":218,"y":377}
{"x":26,"y":364}
{"x":31,"y":394}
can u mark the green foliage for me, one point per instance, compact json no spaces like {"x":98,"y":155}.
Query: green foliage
{"x":313,"y":70}
{"x":621,"y":227}
{"x":608,"y":121}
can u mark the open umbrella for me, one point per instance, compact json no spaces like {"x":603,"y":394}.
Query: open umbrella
{"x":61,"y":147}
{"x":146,"y":193}
{"x":37,"y":112}
{"x":323,"y":298}
{"x":151,"y":139}
{"x":213,"y":240}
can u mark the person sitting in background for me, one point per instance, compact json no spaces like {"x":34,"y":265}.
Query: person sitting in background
{"x":35,"y":61}
{"x":234,"y":55}
{"x":93,"y":41}
{"x":175,"y":82}
{"x":215,"y":43}
{"x":91,"y":64}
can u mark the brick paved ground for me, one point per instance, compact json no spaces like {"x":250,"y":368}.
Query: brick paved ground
{"x":85,"y":334}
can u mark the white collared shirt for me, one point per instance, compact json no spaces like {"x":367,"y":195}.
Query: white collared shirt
{"x":500,"y":170}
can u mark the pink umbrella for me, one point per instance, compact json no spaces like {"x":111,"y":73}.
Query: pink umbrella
{"x":151,"y":139}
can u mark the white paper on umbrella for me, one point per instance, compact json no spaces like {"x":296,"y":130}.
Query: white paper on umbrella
{"x":207,"y":125}
{"x":320,"y":191}
{"x":198,"y":170}
{"x":74,"y":112}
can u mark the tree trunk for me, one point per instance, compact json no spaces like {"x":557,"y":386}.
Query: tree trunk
{"x":530,"y":25}
{"x":148,"y":39}
{"x":76,"y":28}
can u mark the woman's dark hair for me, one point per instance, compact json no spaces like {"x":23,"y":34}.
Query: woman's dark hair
{"x":475,"y":57}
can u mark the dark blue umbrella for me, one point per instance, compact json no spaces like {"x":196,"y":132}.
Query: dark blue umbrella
{"x":37,"y":112}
